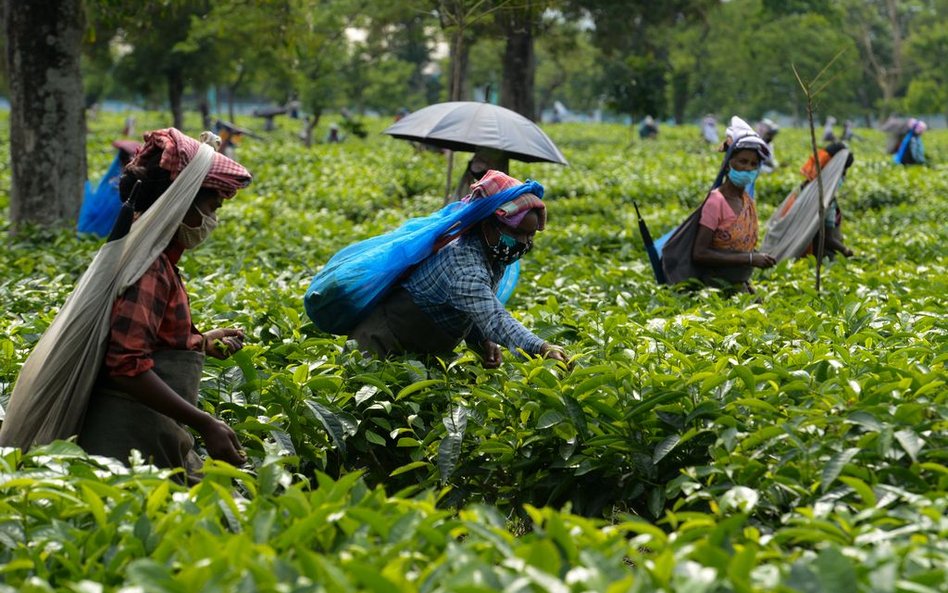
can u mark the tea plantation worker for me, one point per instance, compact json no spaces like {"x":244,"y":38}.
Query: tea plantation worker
{"x":484,"y":159}
{"x":833,"y":217}
{"x":147,"y":388}
{"x":828,"y":134}
{"x":648,"y":128}
{"x":910,"y":150}
{"x":767,"y":129}
{"x":727,"y":230}
{"x":451,"y":296}
{"x":709,"y":129}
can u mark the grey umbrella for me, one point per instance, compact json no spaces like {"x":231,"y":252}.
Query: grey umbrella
{"x":467,"y":125}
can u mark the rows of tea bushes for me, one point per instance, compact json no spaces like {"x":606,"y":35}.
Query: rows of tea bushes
{"x":787,"y":441}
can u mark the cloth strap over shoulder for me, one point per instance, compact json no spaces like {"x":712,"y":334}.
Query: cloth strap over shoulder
{"x":791,"y":228}
{"x":52,"y":390}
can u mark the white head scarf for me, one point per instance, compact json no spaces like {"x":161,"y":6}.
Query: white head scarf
{"x":742,"y":136}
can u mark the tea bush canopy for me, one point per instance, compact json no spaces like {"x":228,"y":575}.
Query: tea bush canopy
{"x":790,"y":441}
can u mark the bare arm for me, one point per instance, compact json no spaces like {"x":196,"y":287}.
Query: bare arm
{"x":149,"y":389}
{"x":703,"y":254}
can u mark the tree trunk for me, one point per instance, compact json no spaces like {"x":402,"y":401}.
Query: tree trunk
{"x":680,"y":95}
{"x":516,"y":89}
{"x":458,"y":86}
{"x":231,"y":97}
{"x":308,"y":127}
{"x":175,"y":92}
{"x":47,"y":119}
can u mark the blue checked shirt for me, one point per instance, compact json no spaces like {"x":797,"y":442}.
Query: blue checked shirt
{"x":457,"y":287}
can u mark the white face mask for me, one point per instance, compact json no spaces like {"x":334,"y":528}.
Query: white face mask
{"x":191,"y":237}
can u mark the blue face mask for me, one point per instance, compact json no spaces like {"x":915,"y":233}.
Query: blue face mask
{"x":742,"y":178}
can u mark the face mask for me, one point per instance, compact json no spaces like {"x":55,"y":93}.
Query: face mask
{"x":508,"y":250}
{"x":191,"y":237}
{"x":742,"y":178}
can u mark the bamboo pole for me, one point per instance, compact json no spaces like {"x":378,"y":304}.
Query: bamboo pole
{"x":810,"y":95}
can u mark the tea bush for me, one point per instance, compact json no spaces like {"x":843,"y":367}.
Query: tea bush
{"x":788,"y":441}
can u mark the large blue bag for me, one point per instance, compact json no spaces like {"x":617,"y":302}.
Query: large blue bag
{"x":100,"y":207}
{"x":357,"y":277}
{"x":899,"y":156}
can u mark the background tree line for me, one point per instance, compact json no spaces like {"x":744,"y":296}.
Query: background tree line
{"x":674,"y":59}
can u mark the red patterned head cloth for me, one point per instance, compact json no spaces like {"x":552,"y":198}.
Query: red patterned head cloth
{"x":513,"y":212}
{"x":177,"y":149}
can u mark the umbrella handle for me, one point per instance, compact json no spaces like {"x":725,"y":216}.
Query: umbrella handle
{"x":636,"y":206}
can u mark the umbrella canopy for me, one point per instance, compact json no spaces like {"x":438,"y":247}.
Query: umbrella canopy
{"x":467,"y":125}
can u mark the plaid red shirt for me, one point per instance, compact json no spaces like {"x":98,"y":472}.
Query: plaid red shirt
{"x":153,"y":314}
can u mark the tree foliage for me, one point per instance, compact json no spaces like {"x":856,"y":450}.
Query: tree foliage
{"x":675,"y":59}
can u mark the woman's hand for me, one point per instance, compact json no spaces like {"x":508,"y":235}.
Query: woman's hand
{"x":222,"y":342}
{"x":491,"y":355}
{"x":221,"y":441}
{"x":763,"y":260}
{"x":548,"y":350}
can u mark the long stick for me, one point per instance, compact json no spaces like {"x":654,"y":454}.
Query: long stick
{"x":821,"y":232}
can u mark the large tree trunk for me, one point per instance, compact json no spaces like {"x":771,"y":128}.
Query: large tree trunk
{"x":175,"y":92}
{"x":516,"y":89}
{"x":47,"y":119}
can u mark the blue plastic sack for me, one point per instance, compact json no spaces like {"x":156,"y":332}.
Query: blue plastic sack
{"x":358,"y":276}
{"x":508,"y":282}
{"x":903,"y":148}
{"x":100,"y":207}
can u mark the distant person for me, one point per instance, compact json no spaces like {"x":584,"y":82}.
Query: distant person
{"x":649,"y":128}
{"x":767,"y":129}
{"x":293,"y":107}
{"x":849,"y":132}
{"x":352,"y":125}
{"x":911,"y":150}
{"x":451,"y":296}
{"x":828,"y":134}
{"x":560,"y":112}
{"x":401,"y":113}
{"x":484,"y":159}
{"x":895,"y":128}
{"x":709,"y":129}
{"x":333,"y":137}
{"x":101,"y":204}
{"x":129,"y":128}
{"x":833,"y":215}
{"x":230,"y":137}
